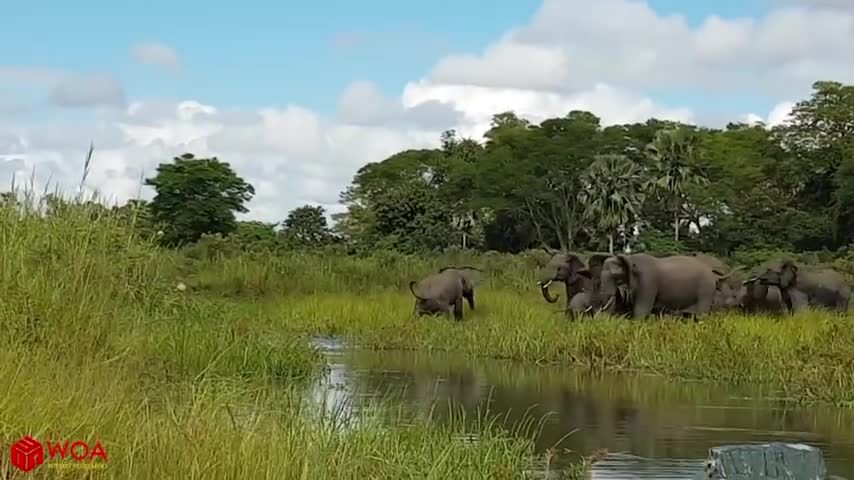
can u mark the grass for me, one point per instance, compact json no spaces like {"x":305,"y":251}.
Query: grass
{"x":808,"y":356}
{"x":97,"y":343}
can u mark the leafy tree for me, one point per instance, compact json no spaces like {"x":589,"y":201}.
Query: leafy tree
{"x":255,"y":235}
{"x":612,"y":194}
{"x":197,"y":196}
{"x":674,"y":169}
{"x":568,"y":182}
{"x":306,"y":226}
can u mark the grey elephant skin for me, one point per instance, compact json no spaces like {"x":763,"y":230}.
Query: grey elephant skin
{"x":824,"y":288}
{"x":581,"y":283}
{"x":678,"y":284}
{"x":440,"y":292}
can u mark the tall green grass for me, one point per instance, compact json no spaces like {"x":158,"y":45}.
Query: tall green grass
{"x":806,"y":357}
{"x":97,"y":343}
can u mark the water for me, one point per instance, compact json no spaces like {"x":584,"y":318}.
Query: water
{"x":652,"y":427}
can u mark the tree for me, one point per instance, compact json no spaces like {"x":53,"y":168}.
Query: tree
{"x":674,"y":169}
{"x":820,"y":137}
{"x":559,"y":183}
{"x":306,"y":226}
{"x":197,"y":196}
{"x":612,"y":194}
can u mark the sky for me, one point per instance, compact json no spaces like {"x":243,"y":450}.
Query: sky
{"x":297,"y":96}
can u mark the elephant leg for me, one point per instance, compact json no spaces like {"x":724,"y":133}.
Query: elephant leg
{"x":842,"y":303}
{"x":458,"y":309}
{"x":642,"y":308}
{"x":787,"y":301}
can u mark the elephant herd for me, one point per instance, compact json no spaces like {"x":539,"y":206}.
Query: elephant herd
{"x":638,"y":285}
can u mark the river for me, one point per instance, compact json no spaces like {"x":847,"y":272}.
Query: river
{"x":652,"y":427}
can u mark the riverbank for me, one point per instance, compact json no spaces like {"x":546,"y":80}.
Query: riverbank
{"x":98,"y":345}
{"x":806,"y":357}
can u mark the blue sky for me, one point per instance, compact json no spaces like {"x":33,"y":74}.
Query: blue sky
{"x":254,"y":53}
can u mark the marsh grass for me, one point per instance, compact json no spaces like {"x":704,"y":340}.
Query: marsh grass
{"x":808,"y":356}
{"x":226,"y":428}
{"x":98,"y":344}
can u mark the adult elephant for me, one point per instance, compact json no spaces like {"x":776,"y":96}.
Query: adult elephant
{"x":675,"y":284}
{"x":578,"y":279}
{"x":824,"y":288}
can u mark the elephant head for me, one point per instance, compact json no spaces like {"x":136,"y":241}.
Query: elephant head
{"x":619,"y":280}
{"x":425,"y":305}
{"x":780,"y":274}
{"x":563,"y":267}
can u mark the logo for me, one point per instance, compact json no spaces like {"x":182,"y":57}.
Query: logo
{"x":28,"y":453}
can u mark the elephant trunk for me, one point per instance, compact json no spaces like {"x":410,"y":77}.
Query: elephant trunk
{"x":544,"y":288}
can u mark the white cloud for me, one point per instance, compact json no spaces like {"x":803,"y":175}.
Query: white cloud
{"x":572,"y":44}
{"x":81,"y":91}
{"x":779,"y":114}
{"x":154,"y":53}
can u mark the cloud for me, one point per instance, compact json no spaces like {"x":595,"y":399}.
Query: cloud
{"x":28,"y":75}
{"x":79,"y":91}
{"x":612,"y":105}
{"x":363,"y":104}
{"x":575,"y":44}
{"x":833,"y":4}
{"x":778,"y":115}
{"x":157,"y":54}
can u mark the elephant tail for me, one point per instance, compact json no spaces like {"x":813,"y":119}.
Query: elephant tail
{"x":412,"y":289}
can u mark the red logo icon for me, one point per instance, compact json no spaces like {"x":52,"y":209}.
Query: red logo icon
{"x":27,"y":453}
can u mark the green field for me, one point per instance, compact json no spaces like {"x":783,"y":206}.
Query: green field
{"x":99,"y":344}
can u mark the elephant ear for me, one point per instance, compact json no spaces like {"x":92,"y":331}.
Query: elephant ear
{"x":633,"y":275}
{"x":576,"y":267}
{"x":595,"y":262}
{"x":788,"y":274}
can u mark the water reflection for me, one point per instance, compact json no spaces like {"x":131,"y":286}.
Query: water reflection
{"x":654,"y":428}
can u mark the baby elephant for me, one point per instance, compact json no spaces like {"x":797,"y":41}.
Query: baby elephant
{"x":439,"y":292}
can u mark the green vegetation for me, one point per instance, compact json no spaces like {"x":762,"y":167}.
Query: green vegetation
{"x":98,"y":344}
{"x":98,"y":341}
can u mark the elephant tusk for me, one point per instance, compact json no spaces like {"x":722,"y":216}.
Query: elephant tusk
{"x":588,"y":309}
{"x":545,"y":285}
{"x":608,"y":304}
{"x":750,"y":280}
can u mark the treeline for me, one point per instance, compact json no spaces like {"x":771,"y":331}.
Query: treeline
{"x":565,"y":183}
{"x":570,"y":183}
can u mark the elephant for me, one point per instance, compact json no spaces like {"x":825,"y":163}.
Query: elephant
{"x":675,"y":284}
{"x":579,"y":304}
{"x":800,"y":287}
{"x":577,"y":279}
{"x":439,"y":292}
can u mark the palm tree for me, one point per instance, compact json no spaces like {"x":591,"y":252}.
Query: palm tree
{"x":673,"y":156}
{"x":612,"y":193}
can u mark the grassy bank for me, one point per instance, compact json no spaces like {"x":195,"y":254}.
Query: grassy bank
{"x":97,"y":343}
{"x":807,"y":357}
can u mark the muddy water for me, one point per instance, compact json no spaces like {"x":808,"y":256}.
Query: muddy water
{"x":651,"y":427}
